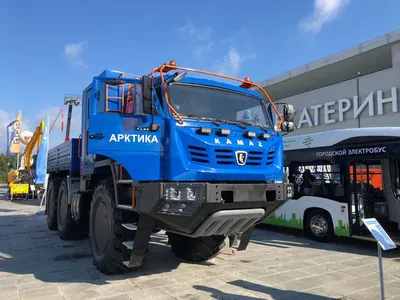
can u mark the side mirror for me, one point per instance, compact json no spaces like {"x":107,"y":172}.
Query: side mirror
{"x":180,"y":76}
{"x":287,"y":126}
{"x":147,"y":93}
{"x":288,"y":113}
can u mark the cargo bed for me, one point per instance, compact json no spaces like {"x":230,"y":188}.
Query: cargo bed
{"x":64,"y":157}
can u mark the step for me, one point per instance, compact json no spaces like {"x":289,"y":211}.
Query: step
{"x":125,"y":181}
{"x":128,"y":244}
{"x":125,"y":207}
{"x":126,"y":263}
{"x":129,"y":226}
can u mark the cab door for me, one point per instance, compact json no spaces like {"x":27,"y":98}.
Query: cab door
{"x":118,"y":129}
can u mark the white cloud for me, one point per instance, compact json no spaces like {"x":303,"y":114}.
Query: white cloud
{"x":325,"y":11}
{"x":201,"y":49}
{"x":74,"y":52}
{"x":231,"y":63}
{"x":200,"y":38}
{"x":201,"y":34}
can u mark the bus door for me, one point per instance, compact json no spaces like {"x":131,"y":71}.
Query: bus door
{"x":365,"y":182}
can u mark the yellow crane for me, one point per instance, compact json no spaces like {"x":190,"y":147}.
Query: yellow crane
{"x":20,"y":180}
{"x":34,"y":141}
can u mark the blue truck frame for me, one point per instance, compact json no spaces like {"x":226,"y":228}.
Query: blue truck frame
{"x":139,"y":166}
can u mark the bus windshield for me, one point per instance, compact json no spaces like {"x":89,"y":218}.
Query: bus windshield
{"x":194,"y":101}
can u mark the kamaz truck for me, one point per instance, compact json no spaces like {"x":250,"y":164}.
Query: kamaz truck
{"x":191,"y":156}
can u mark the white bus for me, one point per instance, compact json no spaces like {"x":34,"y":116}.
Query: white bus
{"x":340,"y":177}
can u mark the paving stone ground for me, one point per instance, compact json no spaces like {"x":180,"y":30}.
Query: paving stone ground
{"x":36,"y":264}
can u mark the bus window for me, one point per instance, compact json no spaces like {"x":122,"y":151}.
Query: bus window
{"x":369,"y":180}
{"x":324,"y":181}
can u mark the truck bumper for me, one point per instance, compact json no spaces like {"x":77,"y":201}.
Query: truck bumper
{"x":204,"y":209}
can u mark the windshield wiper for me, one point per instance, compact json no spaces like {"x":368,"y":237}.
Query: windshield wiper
{"x":199,"y":118}
{"x":233,"y":123}
{"x":217,"y":122}
{"x":254,"y":125}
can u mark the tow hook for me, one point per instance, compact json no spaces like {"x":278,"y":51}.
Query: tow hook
{"x":234,"y":242}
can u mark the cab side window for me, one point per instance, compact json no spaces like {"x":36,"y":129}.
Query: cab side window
{"x":125,"y":98}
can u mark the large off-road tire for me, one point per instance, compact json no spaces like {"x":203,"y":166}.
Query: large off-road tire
{"x":106,"y":230}
{"x":196,"y":249}
{"x":51,"y":203}
{"x":319,"y":225}
{"x":68,"y":229}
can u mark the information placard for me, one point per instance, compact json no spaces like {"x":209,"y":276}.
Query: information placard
{"x":379,"y":234}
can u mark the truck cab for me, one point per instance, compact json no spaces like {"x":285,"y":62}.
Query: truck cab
{"x":193,"y":156}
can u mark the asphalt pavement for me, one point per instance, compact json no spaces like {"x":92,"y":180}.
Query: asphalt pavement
{"x":36,"y":264}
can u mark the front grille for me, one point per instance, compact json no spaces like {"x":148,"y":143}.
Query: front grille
{"x":254,"y":158}
{"x":270,"y":157}
{"x":198,"y":154}
{"x":224,"y":157}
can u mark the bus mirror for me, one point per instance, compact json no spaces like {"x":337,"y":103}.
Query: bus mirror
{"x":288,"y":113}
{"x":287,"y":126}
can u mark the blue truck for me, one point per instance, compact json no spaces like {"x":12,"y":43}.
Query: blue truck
{"x":197,"y":158}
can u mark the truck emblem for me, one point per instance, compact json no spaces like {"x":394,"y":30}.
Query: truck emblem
{"x":241,"y":157}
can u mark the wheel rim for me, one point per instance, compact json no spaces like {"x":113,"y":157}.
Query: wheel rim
{"x":101,"y":230}
{"x":318,"y":226}
{"x":63,"y":208}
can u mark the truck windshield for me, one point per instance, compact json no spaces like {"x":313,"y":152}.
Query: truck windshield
{"x":194,"y":101}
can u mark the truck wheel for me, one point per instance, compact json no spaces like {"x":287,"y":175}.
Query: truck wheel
{"x":105,"y":230}
{"x":67,"y":228}
{"x":51,"y":204}
{"x":319,"y":225}
{"x":196,"y":249}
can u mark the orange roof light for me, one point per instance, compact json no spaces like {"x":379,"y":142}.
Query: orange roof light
{"x":246,"y":84}
{"x":166,"y":69}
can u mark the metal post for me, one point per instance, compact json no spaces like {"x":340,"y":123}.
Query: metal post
{"x":358,"y":97}
{"x":381,"y":272}
{"x":70,"y":100}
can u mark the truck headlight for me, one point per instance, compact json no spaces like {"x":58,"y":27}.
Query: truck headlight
{"x":180,"y":194}
{"x":182,"y":199}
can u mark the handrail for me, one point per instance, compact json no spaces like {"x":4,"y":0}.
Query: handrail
{"x":246,"y":81}
{"x":79,"y":145}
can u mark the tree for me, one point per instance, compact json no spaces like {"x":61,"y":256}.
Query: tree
{"x":4,"y":168}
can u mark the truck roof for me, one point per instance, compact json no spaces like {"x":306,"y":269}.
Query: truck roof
{"x":187,"y":79}
{"x":214,"y":83}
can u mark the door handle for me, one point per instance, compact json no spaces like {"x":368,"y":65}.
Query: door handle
{"x":96,"y":136}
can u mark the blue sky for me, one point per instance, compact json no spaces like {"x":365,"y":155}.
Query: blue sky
{"x":50,"y":48}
